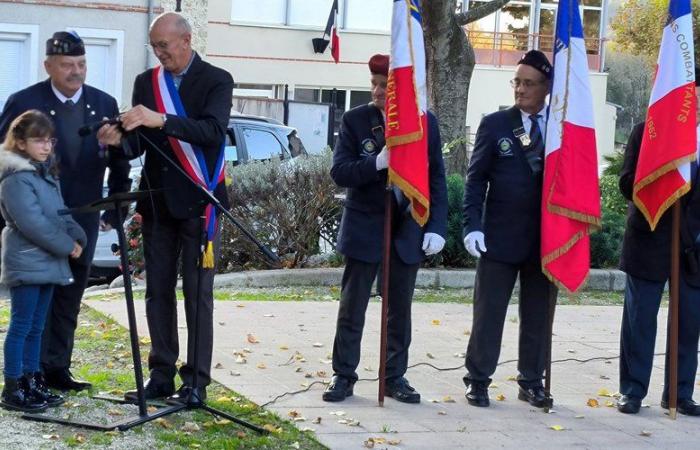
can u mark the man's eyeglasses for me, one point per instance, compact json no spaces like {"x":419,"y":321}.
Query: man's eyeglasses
{"x":44,"y":141}
{"x":527,"y":84}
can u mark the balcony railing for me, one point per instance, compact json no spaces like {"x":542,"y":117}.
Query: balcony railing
{"x":505,"y":49}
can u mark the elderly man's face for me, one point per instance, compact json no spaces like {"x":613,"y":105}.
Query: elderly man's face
{"x":67,"y":73}
{"x":378,"y":90}
{"x":530,"y":88}
{"x":171,"y":46}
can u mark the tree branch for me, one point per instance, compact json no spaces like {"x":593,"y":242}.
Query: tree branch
{"x":479,"y":12}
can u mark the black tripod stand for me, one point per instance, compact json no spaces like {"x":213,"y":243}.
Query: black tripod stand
{"x":118,"y":202}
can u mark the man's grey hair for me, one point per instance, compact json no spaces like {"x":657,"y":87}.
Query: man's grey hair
{"x":180,"y":22}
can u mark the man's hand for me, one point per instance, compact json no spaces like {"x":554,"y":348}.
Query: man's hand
{"x":139,"y":116}
{"x":77,"y":251}
{"x":474,"y":243}
{"x":104,"y":226}
{"x":432,"y":243}
{"x":109,"y":135}
{"x":383,"y":159}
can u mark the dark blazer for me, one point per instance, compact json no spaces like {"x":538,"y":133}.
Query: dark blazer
{"x":647,"y":254}
{"x":81,"y":182}
{"x":361,"y":233}
{"x":501,"y":194}
{"x":206,"y":92}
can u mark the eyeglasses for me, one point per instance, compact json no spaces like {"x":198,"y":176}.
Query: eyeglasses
{"x":44,"y":141}
{"x":527,"y":84}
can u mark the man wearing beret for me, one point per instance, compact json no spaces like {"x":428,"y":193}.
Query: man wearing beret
{"x":646,"y":259}
{"x":360,"y":162}
{"x":82,"y":161}
{"x":502,"y":228}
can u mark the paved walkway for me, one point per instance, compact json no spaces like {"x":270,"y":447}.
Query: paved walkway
{"x":294,"y":341}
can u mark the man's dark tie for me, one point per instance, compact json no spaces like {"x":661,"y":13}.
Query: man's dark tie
{"x":535,"y":151}
{"x":69,"y":102}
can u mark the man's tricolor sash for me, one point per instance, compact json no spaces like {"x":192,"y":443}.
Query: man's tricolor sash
{"x":191,"y":158}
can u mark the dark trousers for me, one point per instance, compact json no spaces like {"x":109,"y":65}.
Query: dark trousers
{"x":354,"y":296}
{"x":492,"y":290}
{"x":165,"y":240}
{"x":638,"y":336}
{"x":59,"y":332}
{"x":29,"y":305}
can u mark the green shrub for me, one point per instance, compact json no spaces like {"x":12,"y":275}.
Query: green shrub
{"x":288,"y":205}
{"x":606,"y":244}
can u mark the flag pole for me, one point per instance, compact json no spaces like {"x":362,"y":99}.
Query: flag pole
{"x":388,"y":206}
{"x":552,"y":300}
{"x":672,"y":338}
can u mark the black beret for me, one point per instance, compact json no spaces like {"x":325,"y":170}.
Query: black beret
{"x":379,"y":65}
{"x":538,"y":60}
{"x":66,"y":43}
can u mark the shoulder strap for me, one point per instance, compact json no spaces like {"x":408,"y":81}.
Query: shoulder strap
{"x":376,"y":122}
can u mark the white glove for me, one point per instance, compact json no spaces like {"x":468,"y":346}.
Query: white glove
{"x":432,"y":243}
{"x":383,"y":159}
{"x":474,"y":243}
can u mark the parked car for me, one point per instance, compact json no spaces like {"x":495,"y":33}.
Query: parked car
{"x":248,"y":138}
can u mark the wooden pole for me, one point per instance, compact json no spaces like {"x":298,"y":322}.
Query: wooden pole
{"x":672,"y":338}
{"x":552,"y":300}
{"x":388,"y":206}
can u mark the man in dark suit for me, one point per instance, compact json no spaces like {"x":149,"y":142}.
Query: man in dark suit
{"x":82,"y":161}
{"x":646,"y":259}
{"x":360,"y":160}
{"x":171,"y":218}
{"x":508,"y":164}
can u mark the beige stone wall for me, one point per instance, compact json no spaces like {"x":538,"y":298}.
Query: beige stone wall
{"x":196,"y":13}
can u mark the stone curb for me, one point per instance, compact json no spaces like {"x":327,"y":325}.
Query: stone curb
{"x":598,"y":280}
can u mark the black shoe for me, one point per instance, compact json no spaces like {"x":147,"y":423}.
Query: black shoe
{"x":152,"y":390}
{"x":34,"y":384}
{"x":686,"y":406}
{"x":15,"y":398}
{"x":63,"y":380}
{"x":339,"y":389}
{"x":629,"y":405}
{"x":400,"y":390}
{"x":534,"y":396}
{"x":477,"y":394}
{"x":193,"y":396}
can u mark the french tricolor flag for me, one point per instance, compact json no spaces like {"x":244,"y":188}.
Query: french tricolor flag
{"x":570,"y":196}
{"x":406,"y":108}
{"x":669,"y":140}
{"x":332,"y":32}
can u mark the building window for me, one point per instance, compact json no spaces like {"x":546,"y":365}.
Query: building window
{"x":269,"y":12}
{"x":367,"y":15}
{"x":19,"y":50}
{"x":104,"y":53}
{"x":253,"y":90}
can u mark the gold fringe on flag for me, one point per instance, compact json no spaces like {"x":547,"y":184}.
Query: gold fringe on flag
{"x":208,"y":256}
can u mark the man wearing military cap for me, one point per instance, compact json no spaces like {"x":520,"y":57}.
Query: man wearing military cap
{"x":82,"y":161}
{"x":360,"y":162}
{"x":502,"y":228}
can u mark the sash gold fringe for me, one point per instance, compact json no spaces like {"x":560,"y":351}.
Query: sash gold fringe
{"x":208,"y":256}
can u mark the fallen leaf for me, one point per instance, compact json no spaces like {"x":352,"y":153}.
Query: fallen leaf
{"x":602,"y":392}
{"x":610,"y":404}
{"x":234,"y":374}
{"x":240,"y":306}
{"x":317,"y":344}
{"x":51,"y":437}
{"x":448,"y":399}
{"x":645,"y":433}
{"x":500,"y":397}
{"x":580,"y":416}
{"x":151,"y":409}
{"x":240,"y":434}
{"x":317,"y":421}
{"x":337,"y":413}
{"x":271,"y":428}
{"x":115,"y":412}
{"x":442,"y":413}
{"x":557,"y":427}
{"x":604,"y":377}
{"x":393,"y":441}
{"x":293,"y":413}
{"x":163,"y":423}
{"x":493,"y":386}
{"x":436,"y":322}
{"x":252,"y":339}
{"x":284,"y":347}
{"x":110,"y":365}
{"x":430,"y":355}
{"x":299,"y":419}
{"x":299,"y":369}
{"x":261,"y":366}
{"x":240,"y":360}
{"x":593,"y":403}
{"x":145,"y":340}
{"x":571,"y":351}
{"x":321,"y":374}
{"x":219,"y":366}
{"x":308,"y":375}
{"x":306,"y":429}
{"x":222,"y":323}
{"x":79,"y":438}
{"x":460,"y":355}
{"x":269,"y":315}
{"x":190,"y":427}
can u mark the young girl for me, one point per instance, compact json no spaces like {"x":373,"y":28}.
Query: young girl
{"x":36,"y":245}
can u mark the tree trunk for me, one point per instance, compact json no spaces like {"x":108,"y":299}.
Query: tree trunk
{"x":450,"y":60}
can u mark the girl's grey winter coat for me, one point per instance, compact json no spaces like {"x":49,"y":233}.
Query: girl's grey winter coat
{"x":36,"y":241}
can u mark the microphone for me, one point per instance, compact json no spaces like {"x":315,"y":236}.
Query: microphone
{"x":92,"y":127}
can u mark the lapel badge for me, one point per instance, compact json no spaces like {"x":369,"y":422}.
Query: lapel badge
{"x":525,"y":140}
{"x":505,"y":146}
{"x":369,"y":146}
{"x":52,"y":112}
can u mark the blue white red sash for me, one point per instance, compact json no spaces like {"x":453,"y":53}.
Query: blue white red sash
{"x":190,"y":157}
